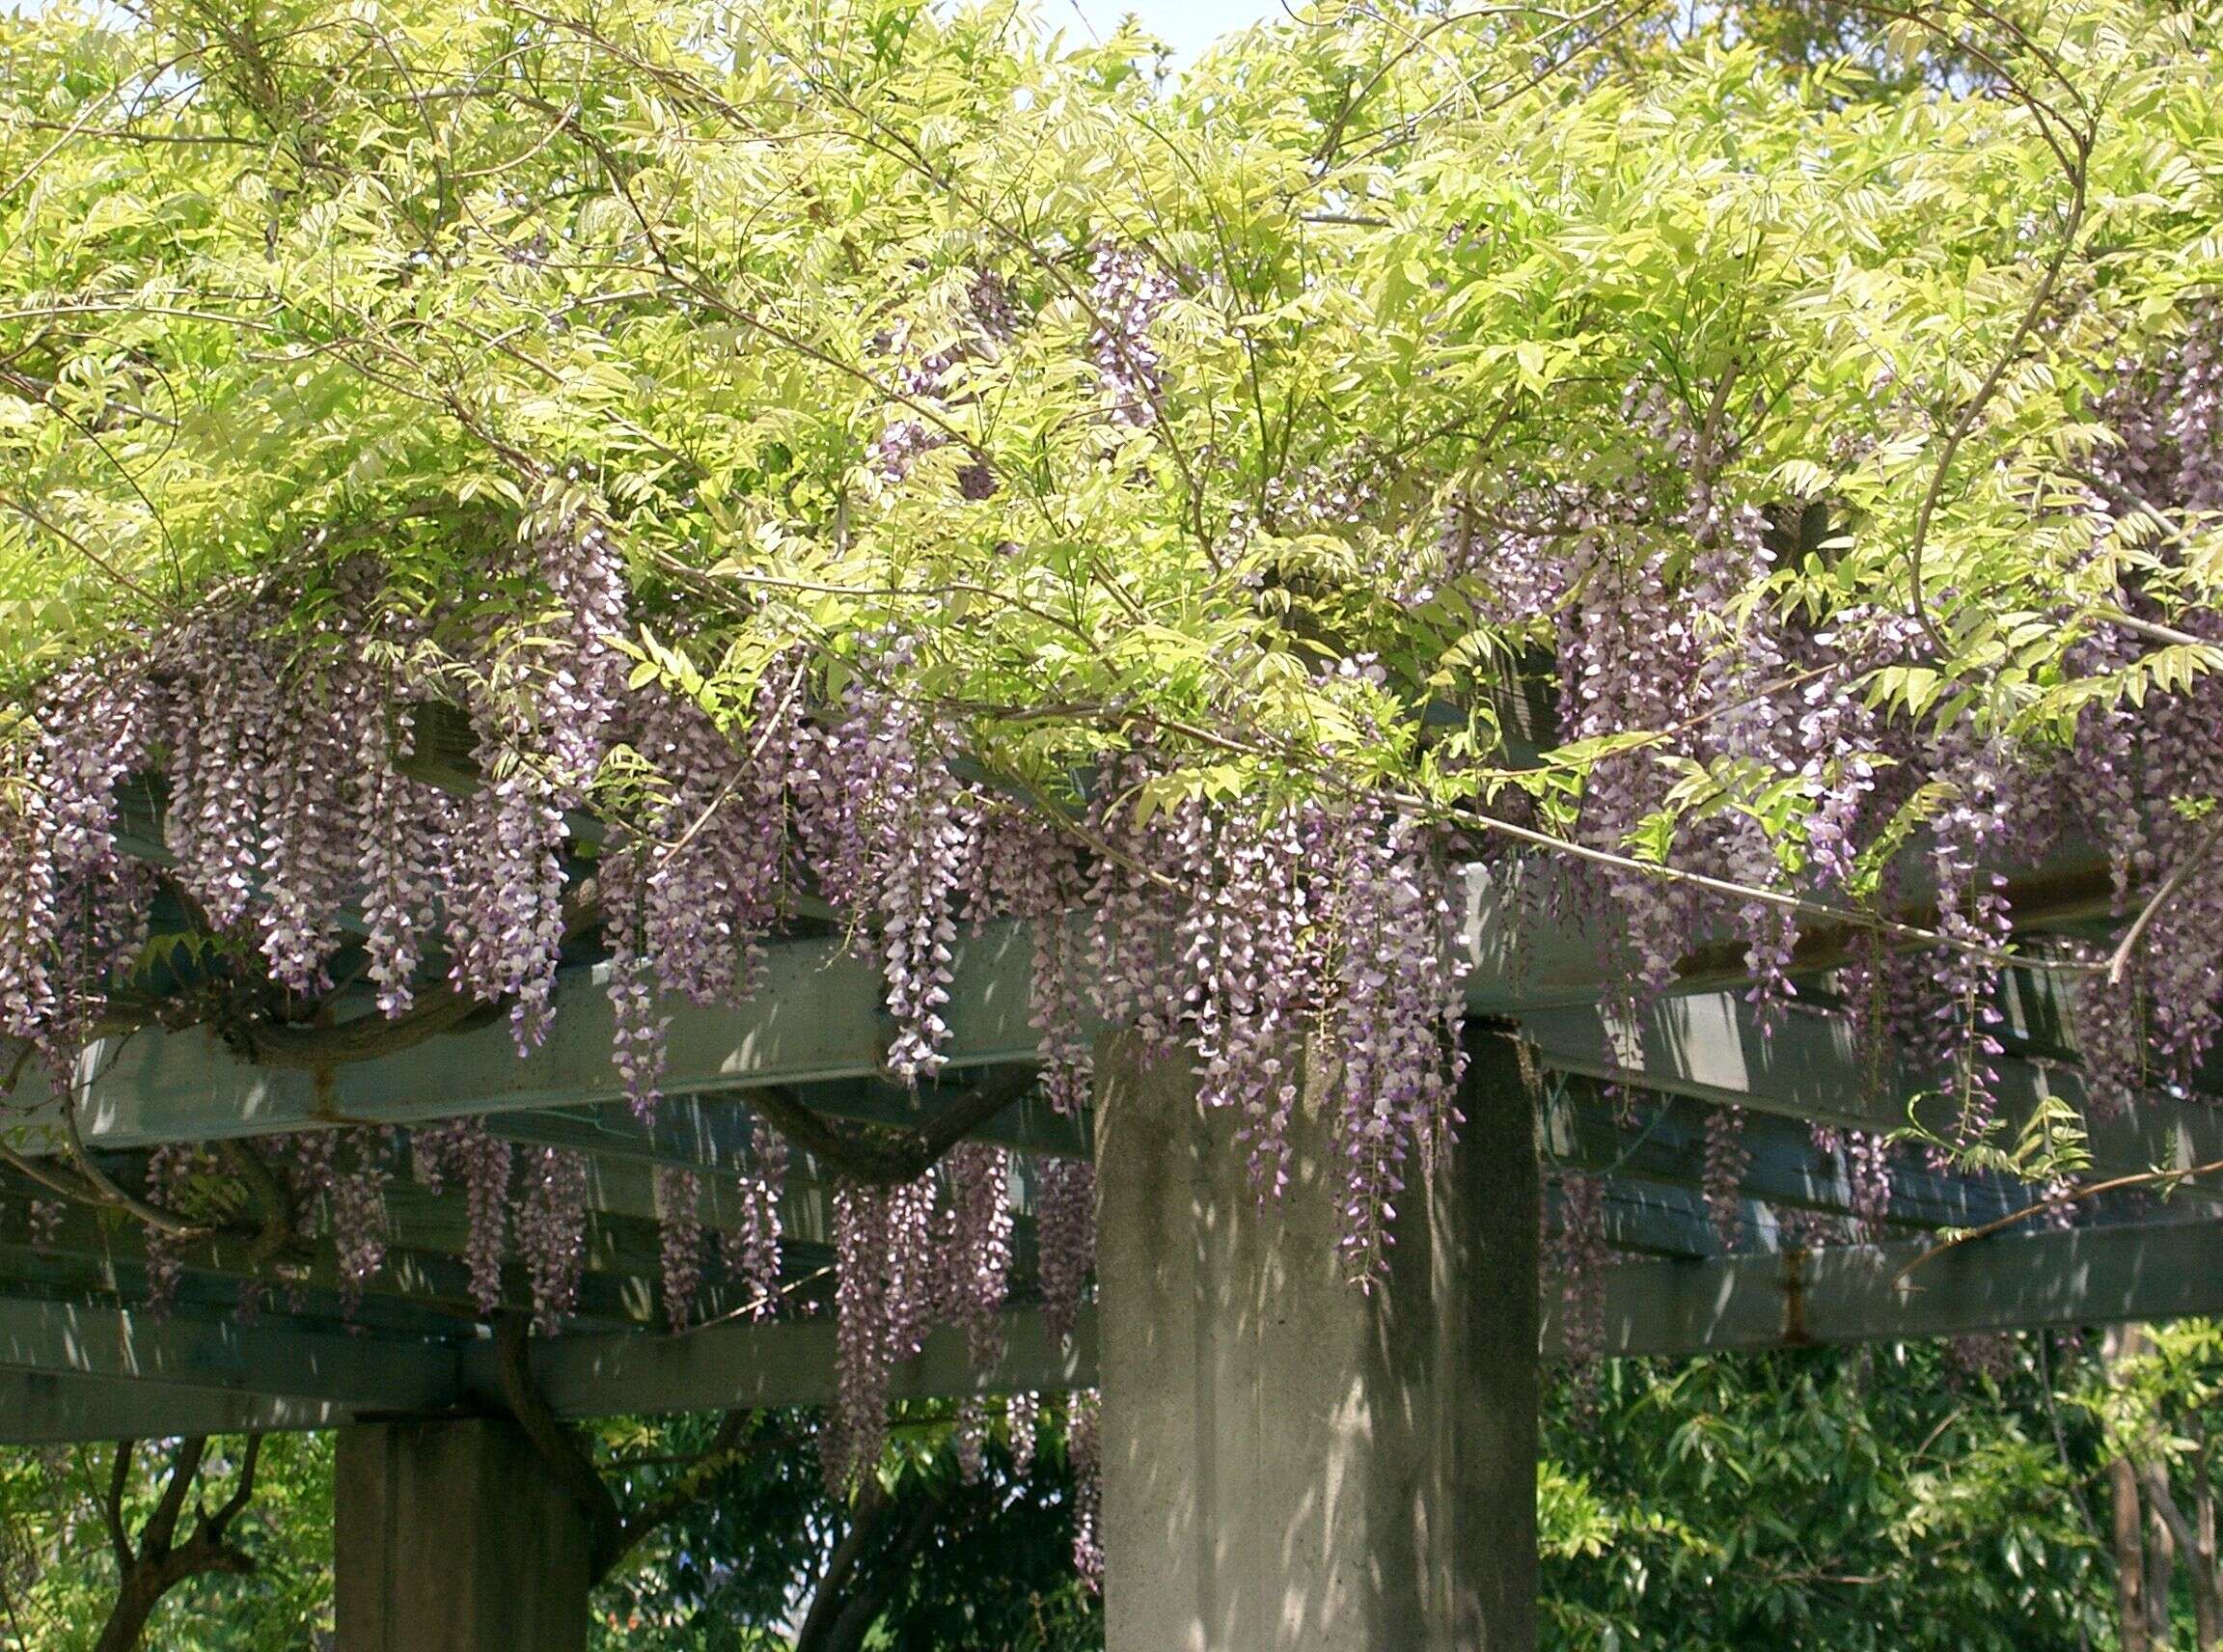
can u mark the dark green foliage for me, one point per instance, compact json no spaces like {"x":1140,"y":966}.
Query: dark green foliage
{"x":1891,"y":1498}
{"x":943,"y":1564}
{"x":1902,"y":1498}
{"x":58,"y":1572}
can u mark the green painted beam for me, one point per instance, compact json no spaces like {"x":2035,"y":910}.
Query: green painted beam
{"x":40,"y":1408}
{"x":1847,"y":1294}
{"x":1852,"y":1294}
{"x":817,"y":1015}
{"x":1664,"y":1141}
{"x":266,"y":1357}
{"x":789,"y":1363}
{"x":817,"y":1019}
{"x":1712,"y":1046}
{"x":2095,"y":1276}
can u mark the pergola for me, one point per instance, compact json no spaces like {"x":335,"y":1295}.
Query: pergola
{"x":1288,"y":1462}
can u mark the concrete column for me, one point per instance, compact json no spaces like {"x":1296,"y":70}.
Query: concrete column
{"x":1289,"y":1463}
{"x":452,"y":1537}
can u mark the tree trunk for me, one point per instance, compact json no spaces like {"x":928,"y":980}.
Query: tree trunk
{"x":867,"y":1600}
{"x":867,"y":1514}
{"x":2129,"y":1557}
{"x":2160,"y":1573}
{"x":126,"y":1623}
{"x":2207,"y":1581}
{"x":2126,"y":1527}
{"x":148,"y":1569}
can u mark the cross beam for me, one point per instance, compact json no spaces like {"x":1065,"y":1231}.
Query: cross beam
{"x":189,"y":1371}
{"x":817,"y":1019}
{"x":52,"y":1407}
{"x":262,"y":1358}
{"x":1713,"y":1046}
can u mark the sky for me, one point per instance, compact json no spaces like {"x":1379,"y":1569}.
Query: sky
{"x":1188,"y":26}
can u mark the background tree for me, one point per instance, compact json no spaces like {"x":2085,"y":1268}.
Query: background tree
{"x":163,"y":1564}
{"x":924,"y":1553}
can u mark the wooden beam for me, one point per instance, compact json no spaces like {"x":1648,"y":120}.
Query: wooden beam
{"x":786,"y":1363}
{"x":266,"y":1357}
{"x":1664,"y":1141}
{"x":51,"y":1407}
{"x":1789,"y":1298}
{"x":817,"y":1015}
{"x":2096,"y":1276}
{"x":1713,"y":1047}
{"x":817,"y":1018}
{"x":1792,"y":1298}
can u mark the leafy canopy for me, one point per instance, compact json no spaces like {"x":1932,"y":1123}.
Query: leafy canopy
{"x":288,"y":283}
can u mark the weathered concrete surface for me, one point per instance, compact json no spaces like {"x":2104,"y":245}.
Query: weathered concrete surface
{"x":452,"y":1537}
{"x":1289,"y":1463}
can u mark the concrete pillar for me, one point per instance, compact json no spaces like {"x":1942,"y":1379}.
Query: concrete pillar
{"x":452,"y":1537}
{"x":1289,"y":1463}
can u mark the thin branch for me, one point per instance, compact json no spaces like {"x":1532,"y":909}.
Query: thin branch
{"x":2167,"y":635}
{"x":112,"y":1505}
{"x":2041,"y":296}
{"x":2119,"y":959}
{"x":2061,"y":1438}
{"x":2164,"y":1504}
{"x":674,"y":1500}
{"x":152,"y":1215}
{"x":156,"y":1536}
{"x":2076,"y":1196}
{"x":231,"y":1509}
{"x":32,"y":513}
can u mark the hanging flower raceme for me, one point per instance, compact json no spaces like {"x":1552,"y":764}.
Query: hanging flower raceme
{"x":1253,"y":953}
{"x":1027,"y":869}
{"x":969,"y":1439}
{"x":218,"y":731}
{"x":356,"y":1194}
{"x":678,"y":1197}
{"x":1022,"y":1420}
{"x":405,"y":839}
{"x":637,"y":1049}
{"x":1581,"y":1246}
{"x":169,"y":1169}
{"x":1394,"y":1021}
{"x":976,"y":1247}
{"x":1726,"y":1161}
{"x":552,"y":1231}
{"x":1084,"y":1447}
{"x":312,"y":820}
{"x":753,"y":1256}
{"x":878,"y":815}
{"x":883,"y":1240}
{"x":503,"y":894}
{"x":715,"y":838}
{"x":581,"y":686}
{"x":1065,"y":1236}
{"x":465,"y":1149}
